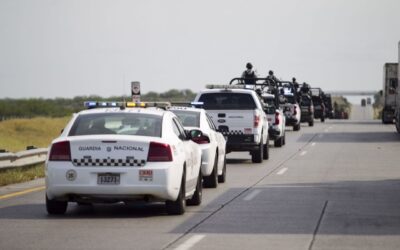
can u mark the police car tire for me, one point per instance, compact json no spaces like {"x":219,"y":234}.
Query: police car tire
{"x":211,"y":181}
{"x":322,"y":119}
{"x":178,"y":206}
{"x":198,"y":193}
{"x":222,"y":177}
{"x":55,"y":206}
{"x":257,"y":155}
{"x":311,"y":123}
{"x":296,"y":127}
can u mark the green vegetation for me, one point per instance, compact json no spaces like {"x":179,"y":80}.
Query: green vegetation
{"x":340,"y":104}
{"x":378,"y":105}
{"x":16,"y":134}
{"x":11,"y":176}
{"x":61,"y":107}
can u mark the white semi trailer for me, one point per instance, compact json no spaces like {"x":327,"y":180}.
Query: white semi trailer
{"x":389,"y":92}
{"x":397,"y":109}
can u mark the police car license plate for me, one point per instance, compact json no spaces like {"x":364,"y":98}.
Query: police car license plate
{"x":108,"y":179}
{"x":145,"y":175}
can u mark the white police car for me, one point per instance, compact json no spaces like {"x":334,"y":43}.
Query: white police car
{"x":125,"y":153}
{"x":276,"y":119}
{"x":213,"y":165}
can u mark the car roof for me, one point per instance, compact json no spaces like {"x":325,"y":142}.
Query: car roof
{"x":151,"y":111}
{"x":246,"y":91}
{"x":191,"y":109}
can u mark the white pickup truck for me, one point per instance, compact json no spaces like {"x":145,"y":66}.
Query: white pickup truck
{"x":238,"y":114}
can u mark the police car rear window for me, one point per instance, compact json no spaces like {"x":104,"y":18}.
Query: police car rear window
{"x":237,"y":101}
{"x":119,"y":124}
{"x":188,"y":118}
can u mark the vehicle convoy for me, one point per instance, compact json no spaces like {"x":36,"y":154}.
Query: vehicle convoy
{"x":290,"y":105}
{"x":117,"y":152}
{"x":213,"y":166}
{"x":276,"y":120}
{"x":318,"y":102}
{"x":238,"y":114}
{"x":390,"y":83}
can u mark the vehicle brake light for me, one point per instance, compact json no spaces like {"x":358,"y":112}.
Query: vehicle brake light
{"x":159,"y":152}
{"x":256,"y":121}
{"x":276,"y":118}
{"x":60,"y":151}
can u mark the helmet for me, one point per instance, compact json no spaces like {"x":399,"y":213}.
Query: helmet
{"x":293,"y":79}
{"x":270,"y":72}
{"x":249,"y":66}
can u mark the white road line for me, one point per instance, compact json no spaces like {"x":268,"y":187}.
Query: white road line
{"x":282,"y":171}
{"x":253,"y":194}
{"x":189,"y":243}
{"x":313,"y":144}
{"x":303,"y":153}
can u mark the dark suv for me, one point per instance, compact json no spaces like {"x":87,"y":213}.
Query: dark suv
{"x":307,"y":109}
{"x":319,"y":108}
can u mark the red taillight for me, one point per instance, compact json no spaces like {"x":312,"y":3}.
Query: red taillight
{"x":201,"y":139}
{"x":277,"y":118}
{"x":256,"y":121}
{"x":60,"y":151}
{"x":159,"y":152}
{"x":295,"y":110}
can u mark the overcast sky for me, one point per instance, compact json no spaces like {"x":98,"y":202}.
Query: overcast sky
{"x":65,"y":48}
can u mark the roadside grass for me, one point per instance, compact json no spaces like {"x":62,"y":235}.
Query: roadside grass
{"x":24,"y":174}
{"x":17,"y":134}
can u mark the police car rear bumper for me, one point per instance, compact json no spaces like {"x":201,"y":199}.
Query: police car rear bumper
{"x":164,"y":183}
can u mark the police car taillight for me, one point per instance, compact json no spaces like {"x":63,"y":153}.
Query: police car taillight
{"x":60,"y":151}
{"x":256,"y":121}
{"x":159,"y":152}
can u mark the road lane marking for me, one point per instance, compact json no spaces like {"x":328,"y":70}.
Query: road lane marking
{"x":313,"y":144}
{"x":189,"y":243}
{"x":303,"y":153}
{"x":27,"y":191}
{"x":252,"y":195}
{"x":282,"y":171}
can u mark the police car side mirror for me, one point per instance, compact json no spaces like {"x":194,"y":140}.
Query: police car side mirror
{"x":198,"y":137}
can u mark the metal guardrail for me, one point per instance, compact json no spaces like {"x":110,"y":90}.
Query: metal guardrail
{"x":22,"y":158}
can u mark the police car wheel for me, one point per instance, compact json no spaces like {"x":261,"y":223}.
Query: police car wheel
{"x":296,"y":127}
{"x":211,"y":181}
{"x":178,"y":206}
{"x":198,"y":193}
{"x":56,"y":207}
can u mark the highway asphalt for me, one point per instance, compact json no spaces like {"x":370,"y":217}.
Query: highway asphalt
{"x":332,"y":186}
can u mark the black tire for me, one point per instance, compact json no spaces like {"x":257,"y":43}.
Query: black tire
{"x":56,"y":207}
{"x":222,"y":177}
{"x":266,"y":150}
{"x":296,"y":127}
{"x":257,"y":155}
{"x":198,"y":193}
{"x":322,"y":119}
{"x":178,"y":206}
{"x":211,"y":181}
{"x":398,"y":126}
{"x":278,"y":142}
{"x":311,"y":123}
{"x":284,"y":139}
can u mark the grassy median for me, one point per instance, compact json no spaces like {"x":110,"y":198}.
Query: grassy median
{"x":18,"y":175}
{"x":17,"y":134}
